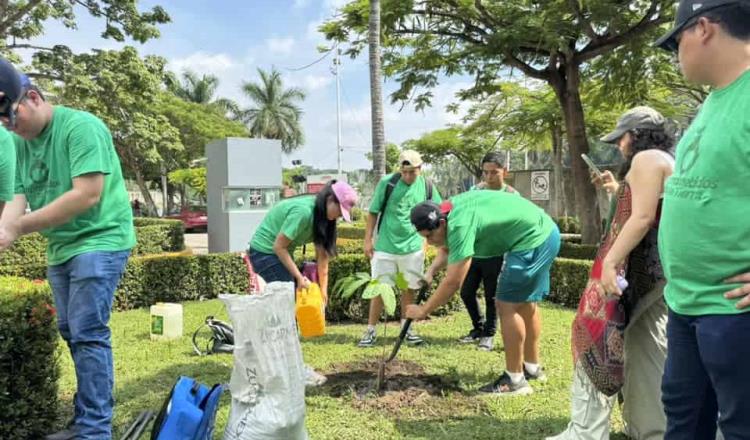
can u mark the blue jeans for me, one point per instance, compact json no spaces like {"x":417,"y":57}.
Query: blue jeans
{"x":269,"y":267}
{"x":84,"y":288}
{"x":705,"y":377}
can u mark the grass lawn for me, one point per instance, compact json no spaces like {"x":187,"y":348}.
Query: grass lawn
{"x":146,"y":370}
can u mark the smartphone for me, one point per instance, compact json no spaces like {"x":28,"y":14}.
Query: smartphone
{"x":591,"y":165}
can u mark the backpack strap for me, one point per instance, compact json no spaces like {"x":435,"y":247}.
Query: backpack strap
{"x":388,"y":191}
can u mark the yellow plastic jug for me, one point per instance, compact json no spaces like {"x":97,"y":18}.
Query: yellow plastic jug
{"x":309,"y":310}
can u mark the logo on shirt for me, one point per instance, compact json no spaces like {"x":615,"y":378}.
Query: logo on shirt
{"x":691,"y":154}
{"x":39,"y":172}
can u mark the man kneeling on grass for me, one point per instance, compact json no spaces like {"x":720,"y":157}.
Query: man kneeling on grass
{"x":484,"y":224}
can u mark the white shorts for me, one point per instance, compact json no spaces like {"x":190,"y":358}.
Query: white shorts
{"x":385,"y":266}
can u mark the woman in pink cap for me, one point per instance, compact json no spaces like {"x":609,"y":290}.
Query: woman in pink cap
{"x":297,"y":221}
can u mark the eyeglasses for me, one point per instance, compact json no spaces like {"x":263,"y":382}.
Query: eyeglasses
{"x":8,"y":108}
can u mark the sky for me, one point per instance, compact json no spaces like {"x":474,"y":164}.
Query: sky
{"x":231,"y":39}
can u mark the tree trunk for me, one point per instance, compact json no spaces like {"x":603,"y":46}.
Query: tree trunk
{"x":149,"y":202}
{"x":557,"y":169}
{"x":568,"y":93}
{"x":376,"y":93}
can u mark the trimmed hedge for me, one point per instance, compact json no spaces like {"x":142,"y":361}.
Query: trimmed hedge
{"x":568,"y":225}
{"x":173,"y":231}
{"x":176,"y":278}
{"x":350,"y":246}
{"x":154,"y":236}
{"x":169,"y":278}
{"x":578,"y":251}
{"x":28,"y":364}
{"x":351,"y":232}
{"x":569,"y":278}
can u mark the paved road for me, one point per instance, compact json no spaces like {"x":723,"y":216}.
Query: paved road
{"x":197,"y":241}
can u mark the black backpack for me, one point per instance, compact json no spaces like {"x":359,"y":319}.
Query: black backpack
{"x":389,"y":189}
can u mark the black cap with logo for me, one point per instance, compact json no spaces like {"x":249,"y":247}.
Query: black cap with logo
{"x":686,"y":11}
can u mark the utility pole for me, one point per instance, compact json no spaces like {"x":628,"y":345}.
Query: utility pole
{"x":336,"y":71}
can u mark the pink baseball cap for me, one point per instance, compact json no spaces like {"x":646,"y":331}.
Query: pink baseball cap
{"x":347,"y":197}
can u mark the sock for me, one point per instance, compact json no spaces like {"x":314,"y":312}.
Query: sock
{"x":514,"y":377}
{"x":370,"y":328}
{"x":531,"y":368}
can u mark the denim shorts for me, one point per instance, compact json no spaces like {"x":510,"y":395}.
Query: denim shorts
{"x":269,"y":267}
{"x":525,"y":274}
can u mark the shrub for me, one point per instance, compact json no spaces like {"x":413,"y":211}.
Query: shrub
{"x":28,"y":249}
{"x":172,"y":238}
{"x":350,"y":246}
{"x":351,"y":232}
{"x":169,"y":278}
{"x":571,"y":238}
{"x":178,"y":278}
{"x":568,"y":225}
{"x":569,"y":278}
{"x":28,"y":364}
{"x":154,"y":236}
{"x":578,"y":251}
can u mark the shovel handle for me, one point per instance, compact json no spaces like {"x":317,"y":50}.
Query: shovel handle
{"x":405,"y":328}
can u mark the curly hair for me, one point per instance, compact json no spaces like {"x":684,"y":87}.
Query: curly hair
{"x":647,"y":139}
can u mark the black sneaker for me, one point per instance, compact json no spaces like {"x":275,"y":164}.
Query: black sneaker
{"x":504,"y":386}
{"x":540,"y":376}
{"x":471,"y":338}
{"x":368,"y":339}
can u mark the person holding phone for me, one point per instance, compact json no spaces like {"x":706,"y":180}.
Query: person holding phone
{"x":628,"y":250}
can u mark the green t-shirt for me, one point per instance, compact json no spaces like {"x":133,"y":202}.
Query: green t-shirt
{"x":704,"y":233}
{"x":7,"y":165}
{"x":397,"y":235}
{"x":75,"y":143}
{"x":506,"y":188}
{"x":292,"y":217}
{"x":485,"y":224}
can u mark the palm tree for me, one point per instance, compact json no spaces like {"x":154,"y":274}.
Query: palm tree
{"x":376,"y":92}
{"x":201,"y":90}
{"x":275,"y":114}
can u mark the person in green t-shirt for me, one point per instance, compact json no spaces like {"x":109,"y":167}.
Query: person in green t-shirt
{"x":485,"y":270}
{"x":391,"y":243}
{"x":704,"y":235}
{"x":7,"y":168}
{"x":295,"y":222}
{"x":484,"y":224}
{"x":68,"y":172}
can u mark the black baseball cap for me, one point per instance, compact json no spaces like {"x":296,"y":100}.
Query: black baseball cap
{"x":686,"y":11}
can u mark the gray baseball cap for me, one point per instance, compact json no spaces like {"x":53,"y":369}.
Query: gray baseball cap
{"x":641,"y":117}
{"x":686,"y":11}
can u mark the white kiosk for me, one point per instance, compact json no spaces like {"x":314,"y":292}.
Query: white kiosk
{"x":244,"y":181}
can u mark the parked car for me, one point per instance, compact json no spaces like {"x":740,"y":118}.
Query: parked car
{"x":193,"y":217}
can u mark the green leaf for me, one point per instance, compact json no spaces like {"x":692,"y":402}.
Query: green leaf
{"x":389,"y":300}
{"x":353,"y":286}
{"x":372,"y":290}
{"x":401,"y":282}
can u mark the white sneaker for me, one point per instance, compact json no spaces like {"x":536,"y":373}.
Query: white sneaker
{"x":486,"y":343}
{"x":313,"y":378}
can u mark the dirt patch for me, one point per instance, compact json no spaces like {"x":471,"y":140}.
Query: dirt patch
{"x":407,"y":389}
